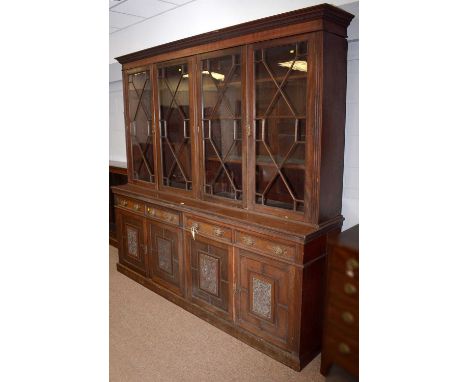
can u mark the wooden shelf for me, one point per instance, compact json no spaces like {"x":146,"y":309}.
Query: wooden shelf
{"x":263,"y":161}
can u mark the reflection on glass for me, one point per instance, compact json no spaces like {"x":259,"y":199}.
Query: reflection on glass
{"x":280,"y":121}
{"x":174,"y":125}
{"x":140,"y":117}
{"x":222,"y":125}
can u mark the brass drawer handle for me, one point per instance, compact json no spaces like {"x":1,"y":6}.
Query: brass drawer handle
{"x":347,"y":317}
{"x":218,"y":231}
{"x":123,"y":202}
{"x":277,"y":250}
{"x":136,"y":207}
{"x":151,"y":211}
{"x":194,"y":229}
{"x":247,"y":240}
{"x":351,"y":265}
{"x":344,"y":348}
{"x":349,"y":288}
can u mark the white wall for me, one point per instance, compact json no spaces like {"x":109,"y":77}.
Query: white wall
{"x":160,"y":30}
{"x":117,"y":150}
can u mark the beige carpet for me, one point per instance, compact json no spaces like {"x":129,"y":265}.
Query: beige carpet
{"x":152,"y":339}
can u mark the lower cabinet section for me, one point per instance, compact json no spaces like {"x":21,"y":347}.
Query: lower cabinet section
{"x":266,"y":293}
{"x":165,"y":256}
{"x":273,"y":304}
{"x":209,"y":274}
{"x":132,"y":243}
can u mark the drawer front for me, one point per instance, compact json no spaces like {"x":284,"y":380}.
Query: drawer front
{"x":344,"y":316}
{"x":342,"y":349}
{"x":129,"y":204}
{"x":210,"y":229}
{"x":343,"y":288}
{"x":167,"y":216}
{"x":264,"y":245}
{"x":345,"y":262}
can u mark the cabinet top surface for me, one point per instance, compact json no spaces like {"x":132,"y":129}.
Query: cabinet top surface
{"x":324,"y":12}
{"x":347,"y":239}
{"x":300,"y":231}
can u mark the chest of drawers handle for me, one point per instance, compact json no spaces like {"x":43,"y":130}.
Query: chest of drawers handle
{"x":347,"y":317}
{"x":123,"y":202}
{"x":349,"y":288}
{"x":151,"y":211}
{"x":344,"y":348}
{"x":351,"y":266}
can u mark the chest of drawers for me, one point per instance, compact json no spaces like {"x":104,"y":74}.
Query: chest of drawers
{"x":341,"y":325}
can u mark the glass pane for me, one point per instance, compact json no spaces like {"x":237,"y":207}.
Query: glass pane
{"x":174,"y":125}
{"x":140,"y":116}
{"x":280,"y":120}
{"x":222,"y":125}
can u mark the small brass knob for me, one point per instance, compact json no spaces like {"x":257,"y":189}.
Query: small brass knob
{"x":351,"y":265}
{"x":344,"y":348}
{"x":136,"y":207}
{"x":124,"y":203}
{"x":349,"y":288}
{"x":347,"y":317}
{"x":151,"y":211}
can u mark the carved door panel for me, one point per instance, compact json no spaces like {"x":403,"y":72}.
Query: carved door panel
{"x":265,"y":298}
{"x":165,"y":259}
{"x":133,"y":251}
{"x":210,"y":275}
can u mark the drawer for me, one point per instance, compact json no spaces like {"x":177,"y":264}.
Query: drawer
{"x":343,"y":316}
{"x":165,"y":215}
{"x":343,"y":288}
{"x":343,"y":350}
{"x":265,"y":245}
{"x":345,"y":262}
{"x":130,"y":204}
{"x":209,"y":228}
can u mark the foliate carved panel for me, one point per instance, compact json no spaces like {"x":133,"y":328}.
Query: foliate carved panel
{"x":165,"y":255}
{"x":209,"y":271}
{"x":132,"y":241}
{"x":261,"y":298}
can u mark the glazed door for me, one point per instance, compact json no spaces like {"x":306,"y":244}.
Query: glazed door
{"x":133,"y":250}
{"x":279,"y":117}
{"x":264,"y":290}
{"x":139,"y":110}
{"x":175,"y":117}
{"x":209,"y":273}
{"x":221,"y":120}
{"x":165,"y":256}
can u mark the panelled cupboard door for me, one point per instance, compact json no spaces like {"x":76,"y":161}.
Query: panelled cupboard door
{"x":165,"y":256}
{"x":133,"y":251}
{"x":265,"y":298}
{"x":209,"y":273}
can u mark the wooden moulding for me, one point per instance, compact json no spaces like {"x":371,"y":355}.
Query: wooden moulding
{"x":332,"y":18}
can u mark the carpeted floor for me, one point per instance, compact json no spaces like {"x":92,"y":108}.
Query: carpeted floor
{"x":151,"y":339}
